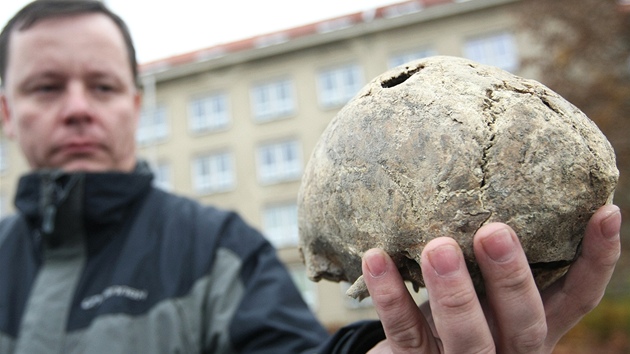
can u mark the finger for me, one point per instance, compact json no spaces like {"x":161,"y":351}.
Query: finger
{"x":425,"y":308}
{"x":457,"y":314}
{"x":511,"y":291}
{"x":405,"y":327}
{"x":581,"y":289}
{"x":381,"y":347}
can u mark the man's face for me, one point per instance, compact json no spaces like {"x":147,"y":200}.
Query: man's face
{"x":70,"y":99}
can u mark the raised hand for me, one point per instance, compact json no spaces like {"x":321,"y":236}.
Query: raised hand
{"x":514,"y":317}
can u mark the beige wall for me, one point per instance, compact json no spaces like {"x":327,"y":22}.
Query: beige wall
{"x":367,"y":47}
{"x":371,"y":51}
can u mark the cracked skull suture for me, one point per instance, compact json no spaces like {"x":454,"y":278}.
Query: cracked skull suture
{"x":440,"y":147}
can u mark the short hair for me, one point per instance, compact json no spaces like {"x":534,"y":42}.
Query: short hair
{"x":45,"y":9}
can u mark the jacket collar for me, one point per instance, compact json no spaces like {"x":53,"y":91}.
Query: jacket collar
{"x":94,"y":199}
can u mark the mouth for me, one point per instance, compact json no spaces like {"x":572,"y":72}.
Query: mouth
{"x":78,"y":148}
{"x":83,"y":148}
{"x":78,"y":156}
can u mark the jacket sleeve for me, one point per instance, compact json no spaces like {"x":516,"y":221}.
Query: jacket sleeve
{"x":271,"y":316}
{"x":356,"y":338}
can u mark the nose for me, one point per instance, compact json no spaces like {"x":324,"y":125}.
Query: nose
{"x":77,"y":107}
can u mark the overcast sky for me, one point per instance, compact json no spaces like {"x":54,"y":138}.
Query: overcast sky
{"x":164,"y":28}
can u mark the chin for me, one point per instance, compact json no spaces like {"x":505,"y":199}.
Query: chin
{"x":86,"y":168}
{"x":92,"y":166}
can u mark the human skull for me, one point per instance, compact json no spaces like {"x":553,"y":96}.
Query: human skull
{"x":440,"y":147}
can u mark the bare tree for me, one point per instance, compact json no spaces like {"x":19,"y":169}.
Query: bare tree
{"x":581,"y":49}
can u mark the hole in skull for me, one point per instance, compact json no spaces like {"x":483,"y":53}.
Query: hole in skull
{"x":397,"y":80}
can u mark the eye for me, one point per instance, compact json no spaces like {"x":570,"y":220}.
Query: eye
{"x":43,"y":88}
{"x":47,"y":88}
{"x":104,"y":88}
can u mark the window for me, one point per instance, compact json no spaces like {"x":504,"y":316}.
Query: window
{"x":272,"y":100}
{"x":4,"y":208}
{"x":271,"y":39}
{"x":153,"y":126}
{"x":307,"y":288}
{"x":334,"y":25}
{"x":162,"y":176}
{"x":403,"y":9}
{"x":4,"y":156}
{"x":405,"y":57}
{"x":213,"y":173}
{"x":280,"y":225}
{"x":337,"y":86}
{"x":278,"y":162}
{"x":497,"y":50}
{"x":208,"y":113}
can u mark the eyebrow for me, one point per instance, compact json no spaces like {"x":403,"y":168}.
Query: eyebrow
{"x":46,"y":74}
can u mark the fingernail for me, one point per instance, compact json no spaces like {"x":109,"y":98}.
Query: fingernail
{"x":610,"y":225}
{"x":444,"y":259}
{"x":499,"y":246}
{"x":376,"y":263}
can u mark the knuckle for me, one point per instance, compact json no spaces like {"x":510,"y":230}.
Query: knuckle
{"x":584,"y":302}
{"x":589,"y":304}
{"x":460,"y":300}
{"x":407,"y":338}
{"x":610,"y":260}
{"x":603,"y":256}
{"x":517,"y":280}
{"x":404,"y":326}
{"x":388,"y":298}
{"x":531,"y":339}
{"x":487,"y":349}
{"x":403,"y":323}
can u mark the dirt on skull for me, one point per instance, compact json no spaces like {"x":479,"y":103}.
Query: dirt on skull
{"x":440,"y":147}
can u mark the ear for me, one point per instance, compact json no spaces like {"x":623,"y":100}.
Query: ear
{"x":137,"y":103}
{"x":7,"y":121}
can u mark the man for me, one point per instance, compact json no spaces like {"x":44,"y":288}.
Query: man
{"x":98,"y":261}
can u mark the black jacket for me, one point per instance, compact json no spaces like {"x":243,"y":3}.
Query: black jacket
{"x":105,"y":263}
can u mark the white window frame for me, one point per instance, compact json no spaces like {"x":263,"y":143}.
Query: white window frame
{"x":162,"y":176}
{"x":496,"y":49}
{"x":280,"y":224}
{"x":4,"y":206}
{"x":273,"y":100}
{"x":402,"y":9}
{"x":336,"y":86}
{"x":4,"y":157}
{"x":404,"y":57}
{"x":279,"y":161}
{"x":214,"y":173}
{"x":208,"y":113}
{"x":153,"y":126}
{"x":307,"y":288}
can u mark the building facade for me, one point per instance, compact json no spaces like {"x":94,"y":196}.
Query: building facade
{"x":234,"y":125}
